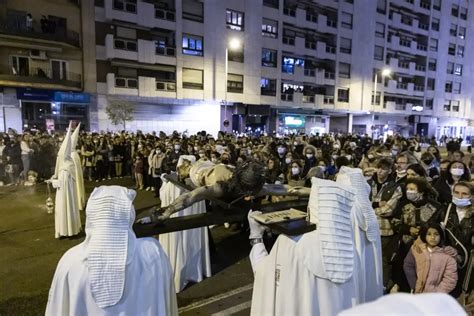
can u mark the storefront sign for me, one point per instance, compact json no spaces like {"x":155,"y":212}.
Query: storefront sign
{"x":29,"y":94}
{"x":71,"y":97}
{"x":34,"y":94}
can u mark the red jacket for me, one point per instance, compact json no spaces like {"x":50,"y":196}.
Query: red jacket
{"x":434,"y":271}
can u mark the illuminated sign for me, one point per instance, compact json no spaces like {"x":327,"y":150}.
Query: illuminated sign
{"x":294,"y":121}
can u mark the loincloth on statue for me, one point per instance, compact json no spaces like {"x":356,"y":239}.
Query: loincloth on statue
{"x":205,"y":172}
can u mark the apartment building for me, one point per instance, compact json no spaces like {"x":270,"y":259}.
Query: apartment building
{"x":300,"y":65}
{"x":41,"y":64}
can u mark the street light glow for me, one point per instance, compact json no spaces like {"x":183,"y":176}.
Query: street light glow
{"x":234,"y":44}
{"x":386,"y":72}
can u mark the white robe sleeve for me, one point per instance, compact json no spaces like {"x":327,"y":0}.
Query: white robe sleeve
{"x":257,"y":253}
{"x":58,"y":299}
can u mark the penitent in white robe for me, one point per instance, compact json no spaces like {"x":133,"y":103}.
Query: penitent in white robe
{"x":148,"y":286}
{"x":284,"y":286}
{"x":188,"y":250}
{"x":67,"y":220}
{"x":81,"y":193}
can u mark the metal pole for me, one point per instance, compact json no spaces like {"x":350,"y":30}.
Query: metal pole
{"x":225,"y":84}
{"x":373,"y":105}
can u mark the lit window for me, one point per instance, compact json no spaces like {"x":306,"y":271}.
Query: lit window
{"x":235,"y":20}
{"x":192,"y":45}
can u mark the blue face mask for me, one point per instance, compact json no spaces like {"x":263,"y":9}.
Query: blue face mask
{"x":461,"y":202}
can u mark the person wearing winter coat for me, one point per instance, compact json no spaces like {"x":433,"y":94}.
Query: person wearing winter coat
{"x":429,"y":265}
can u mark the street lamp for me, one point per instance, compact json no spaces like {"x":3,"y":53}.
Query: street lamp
{"x":385,"y":72}
{"x":233,"y":44}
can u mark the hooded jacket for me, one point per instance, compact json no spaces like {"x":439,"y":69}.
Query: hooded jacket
{"x":434,"y":271}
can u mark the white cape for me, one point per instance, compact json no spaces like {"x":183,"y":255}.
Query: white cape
{"x":67,"y":220}
{"x":284,"y":286}
{"x":148,"y":290}
{"x":188,"y":250}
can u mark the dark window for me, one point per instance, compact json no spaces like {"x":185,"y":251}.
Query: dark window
{"x":437,"y":5}
{"x":463,"y":13}
{"x":235,"y":83}
{"x":435,"y":24}
{"x":450,"y":68}
{"x":236,"y":55}
{"x":193,"y":45}
{"x":447,"y":105}
{"x":455,"y":10}
{"x":345,"y":45}
{"x":193,"y":10}
{"x":379,"y":29}
{"x":344,"y":70}
{"x":269,"y":57}
{"x":448,"y":87}
{"x":462,"y":32}
{"x":125,"y":44}
{"x":271,"y":3}
{"x":454,"y":105}
{"x":311,"y":16}
{"x":429,"y":104}
{"x":452,"y":49}
{"x":346,"y":20}
{"x":378,"y":53}
{"x":460,"y":51}
{"x":457,"y":87}
{"x":125,"y":5}
{"x":99,"y":3}
{"x":430,"y":84}
{"x":432,"y":64}
{"x":234,"y":20}
{"x":268,"y":87}
{"x":342,"y":95}
{"x":433,"y":44}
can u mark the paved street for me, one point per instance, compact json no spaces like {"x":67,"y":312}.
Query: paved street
{"x":30,"y":254}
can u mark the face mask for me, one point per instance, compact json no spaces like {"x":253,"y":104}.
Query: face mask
{"x":461,"y":202}
{"x":295,"y":143}
{"x":349,"y":157}
{"x":177,"y":147}
{"x":401,"y":173}
{"x":309,"y":156}
{"x":202,"y":155}
{"x":334,"y":157}
{"x":196,"y":148}
{"x":213,"y":160}
{"x":288,"y":161}
{"x":457,"y":172}
{"x":295,"y":171}
{"x":281,"y":150}
{"x":394,"y":152}
{"x":413,"y":195}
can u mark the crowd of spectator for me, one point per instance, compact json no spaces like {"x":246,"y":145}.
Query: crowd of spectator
{"x":416,"y":192}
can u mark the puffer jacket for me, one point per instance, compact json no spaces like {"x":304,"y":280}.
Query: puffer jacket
{"x":434,"y":271}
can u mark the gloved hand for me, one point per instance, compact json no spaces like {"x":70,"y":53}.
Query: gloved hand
{"x":55,"y":183}
{"x":256,"y":229}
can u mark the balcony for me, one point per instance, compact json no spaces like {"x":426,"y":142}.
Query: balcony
{"x":308,"y":98}
{"x":328,"y":99}
{"x":41,"y":77}
{"x":15,"y":27}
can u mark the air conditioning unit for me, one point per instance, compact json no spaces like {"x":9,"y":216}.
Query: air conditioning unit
{"x":38,"y":54}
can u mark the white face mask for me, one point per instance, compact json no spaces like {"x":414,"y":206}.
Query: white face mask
{"x":309,"y":156}
{"x":457,"y":172}
{"x":413,"y":195}
{"x":288,"y":161}
{"x":401,"y":173}
{"x":461,"y":202}
{"x":295,"y":171}
{"x":202,"y":155}
{"x":214,"y":160}
{"x":177,"y":147}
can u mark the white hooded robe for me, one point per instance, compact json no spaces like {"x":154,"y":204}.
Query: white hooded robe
{"x":112,"y":272}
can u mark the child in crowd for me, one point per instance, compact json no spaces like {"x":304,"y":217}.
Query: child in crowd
{"x":429,"y":265}
{"x":138,"y":170}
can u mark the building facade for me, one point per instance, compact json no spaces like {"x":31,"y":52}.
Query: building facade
{"x":313,"y":66}
{"x":41,"y":64}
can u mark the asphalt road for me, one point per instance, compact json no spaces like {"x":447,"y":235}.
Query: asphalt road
{"x":30,"y":253}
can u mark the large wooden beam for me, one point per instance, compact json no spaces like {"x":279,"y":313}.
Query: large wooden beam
{"x":219,"y":216}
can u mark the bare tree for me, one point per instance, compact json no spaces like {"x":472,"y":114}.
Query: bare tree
{"x":119,"y":112}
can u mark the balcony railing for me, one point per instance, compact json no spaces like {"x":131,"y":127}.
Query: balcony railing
{"x":328,"y":99}
{"x":401,"y":85}
{"x":404,"y":42}
{"x":308,"y":99}
{"x":420,"y":68}
{"x":165,"y":86}
{"x":421,"y":47}
{"x":330,"y":49}
{"x":329,"y":75}
{"x":165,"y":14}
{"x":44,"y":75}
{"x":419,"y":88}
{"x":165,"y":51}
{"x":404,"y":64}
{"x":423,"y":26}
{"x":16,"y":27}
{"x":310,"y":72}
{"x":286,"y":97}
{"x":400,"y":107}
{"x":331,"y":23}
